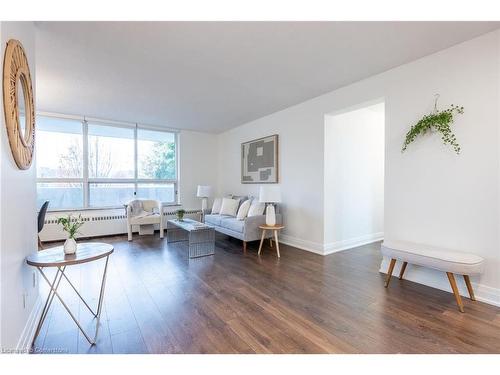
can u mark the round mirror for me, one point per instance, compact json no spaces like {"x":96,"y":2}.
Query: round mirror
{"x":21,"y":107}
{"x":18,"y":104}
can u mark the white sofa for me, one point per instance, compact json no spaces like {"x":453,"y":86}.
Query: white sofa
{"x":245,"y":230}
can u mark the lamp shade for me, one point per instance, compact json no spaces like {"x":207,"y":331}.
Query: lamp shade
{"x":204,"y":191}
{"x":270,"y":194}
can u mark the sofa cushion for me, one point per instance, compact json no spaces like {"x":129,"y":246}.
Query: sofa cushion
{"x":217,"y":205}
{"x":213,"y":219}
{"x":257,"y":208}
{"x":233,"y":224}
{"x":243,"y":210}
{"x":229,"y":206}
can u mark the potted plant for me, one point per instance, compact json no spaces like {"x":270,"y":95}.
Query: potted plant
{"x":180,"y":214}
{"x":71,"y":226}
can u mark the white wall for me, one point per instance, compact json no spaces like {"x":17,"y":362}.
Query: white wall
{"x":354,"y":178}
{"x":198,"y":165}
{"x":17,"y":217}
{"x":431,"y":194}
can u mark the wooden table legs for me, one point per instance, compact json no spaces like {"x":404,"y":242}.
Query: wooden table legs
{"x":276,"y":242}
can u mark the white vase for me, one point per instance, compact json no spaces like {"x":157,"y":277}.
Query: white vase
{"x":70,"y":246}
{"x":270,"y":215}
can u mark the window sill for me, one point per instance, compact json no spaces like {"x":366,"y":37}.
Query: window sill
{"x":103,"y":208}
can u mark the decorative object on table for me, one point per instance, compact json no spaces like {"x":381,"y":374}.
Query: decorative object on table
{"x":259,"y":161}
{"x":55,"y":258}
{"x":71,"y":226}
{"x":41,"y":221}
{"x":146,"y":213}
{"x":204,"y":192}
{"x":180,"y":214}
{"x":270,"y":194}
{"x":439,"y":121}
{"x":18,"y":104}
{"x":274,"y":229}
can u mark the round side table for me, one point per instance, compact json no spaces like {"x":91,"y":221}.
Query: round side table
{"x":272,"y":228}
{"x":55,"y":258}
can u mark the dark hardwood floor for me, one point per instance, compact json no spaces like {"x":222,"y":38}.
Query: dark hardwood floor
{"x":159,"y":301}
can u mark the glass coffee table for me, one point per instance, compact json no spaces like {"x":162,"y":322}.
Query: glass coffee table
{"x":200,"y":236}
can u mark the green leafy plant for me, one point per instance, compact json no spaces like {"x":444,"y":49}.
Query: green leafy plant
{"x":71,"y":225}
{"x":439,"y":121}
{"x":180,"y":214}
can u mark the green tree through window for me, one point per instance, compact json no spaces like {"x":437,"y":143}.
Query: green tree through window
{"x":160,"y":161}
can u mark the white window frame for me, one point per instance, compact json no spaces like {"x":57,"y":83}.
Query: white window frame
{"x":85,"y":180}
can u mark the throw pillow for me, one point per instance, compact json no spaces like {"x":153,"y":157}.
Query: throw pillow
{"x":243,"y":210}
{"x":216,"y":206}
{"x":256,"y":209}
{"x":229,"y":206}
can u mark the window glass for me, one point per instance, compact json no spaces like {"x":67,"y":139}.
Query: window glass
{"x":162,"y":192}
{"x":107,"y":195}
{"x":156,"y":155}
{"x":59,"y":148}
{"x":60,"y":195}
{"x":111,"y":151}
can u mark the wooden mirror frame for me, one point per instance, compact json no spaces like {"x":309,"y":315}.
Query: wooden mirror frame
{"x":16,"y":72}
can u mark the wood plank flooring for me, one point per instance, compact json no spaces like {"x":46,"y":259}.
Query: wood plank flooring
{"x":159,"y":301}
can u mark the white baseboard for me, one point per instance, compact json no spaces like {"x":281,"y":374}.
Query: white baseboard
{"x":313,"y":247}
{"x":26,"y":339}
{"x":438,"y":280}
{"x":334,"y":247}
{"x":321,"y":249}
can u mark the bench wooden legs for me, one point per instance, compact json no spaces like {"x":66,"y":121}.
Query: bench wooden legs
{"x":469,"y":287}
{"x":389,"y":272}
{"x":454,"y":287}
{"x":403,"y":268}
{"x":451,"y":278}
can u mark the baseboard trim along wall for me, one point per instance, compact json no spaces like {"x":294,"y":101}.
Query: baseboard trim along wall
{"x":334,"y":247}
{"x":313,"y":247}
{"x":26,"y":339}
{"x":438,"y":280}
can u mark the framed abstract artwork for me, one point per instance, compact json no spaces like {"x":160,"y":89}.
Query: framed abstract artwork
{"x":259,"y":161}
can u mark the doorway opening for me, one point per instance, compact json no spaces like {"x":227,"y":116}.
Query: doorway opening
{"x":354,"y":177}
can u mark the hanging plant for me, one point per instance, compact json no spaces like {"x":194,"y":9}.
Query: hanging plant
{"x":438,"y":121}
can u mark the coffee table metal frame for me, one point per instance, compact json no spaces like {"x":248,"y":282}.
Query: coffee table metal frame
{"x":201,"y":239}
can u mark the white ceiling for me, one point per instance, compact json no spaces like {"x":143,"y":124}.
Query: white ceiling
{"x":212,"y":76}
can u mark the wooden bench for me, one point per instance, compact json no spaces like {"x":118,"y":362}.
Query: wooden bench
{"x":449,"y":261}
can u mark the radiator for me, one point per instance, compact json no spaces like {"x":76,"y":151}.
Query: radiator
{"x":99,"y":223}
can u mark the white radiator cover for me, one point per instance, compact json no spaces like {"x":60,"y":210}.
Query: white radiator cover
{"x":99,"y":223}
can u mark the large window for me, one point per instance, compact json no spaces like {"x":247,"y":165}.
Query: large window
{"x":84,"y":164}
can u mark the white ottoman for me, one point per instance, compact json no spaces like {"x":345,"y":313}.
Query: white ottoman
{"x":449,"y":261}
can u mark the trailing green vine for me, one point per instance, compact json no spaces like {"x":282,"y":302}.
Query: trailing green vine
{"x":439,"y":121}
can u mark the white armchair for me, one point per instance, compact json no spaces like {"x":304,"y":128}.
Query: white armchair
{"x":144,"y":212}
